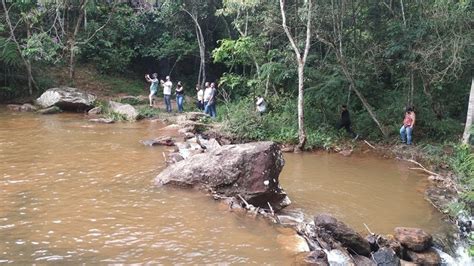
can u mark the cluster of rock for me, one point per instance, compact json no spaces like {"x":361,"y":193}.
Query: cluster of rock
{"x":56,"y":100}
{"x":407,"y":245}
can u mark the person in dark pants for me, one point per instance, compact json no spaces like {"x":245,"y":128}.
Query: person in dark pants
{"x":346,"y":122}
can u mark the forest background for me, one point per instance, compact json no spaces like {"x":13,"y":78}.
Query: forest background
{"x":306,"y":57}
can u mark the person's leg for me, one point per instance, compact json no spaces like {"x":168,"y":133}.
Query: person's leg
{"x":213,"y":110}
{"x":168,"y":103}
{"x":349,"y":130}
{"x":151,"y":98}
{"x":206,"y":108}
{"x":180,"y":103}
{"x":403,"y":134}
{"x":409,"y":130}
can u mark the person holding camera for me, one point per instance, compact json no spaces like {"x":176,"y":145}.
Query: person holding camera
{"x":153,"y":86}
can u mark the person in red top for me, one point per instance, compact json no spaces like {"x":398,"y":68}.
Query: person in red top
{"x":407,"y":128}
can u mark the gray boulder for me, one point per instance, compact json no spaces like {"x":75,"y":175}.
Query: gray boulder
{"x":250,"y":170}
{"x":128,"y":111}
{"x":343,"y":234}
{"x":386,"y":256}
{"x":66,"y":98}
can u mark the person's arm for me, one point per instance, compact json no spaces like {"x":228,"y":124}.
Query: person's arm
{"x":413,"y":116}
{"x":147,"y":78}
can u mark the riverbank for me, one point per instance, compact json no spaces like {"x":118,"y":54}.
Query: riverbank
{"x":442,"y":191}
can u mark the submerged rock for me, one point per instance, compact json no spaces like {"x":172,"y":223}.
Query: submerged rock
{"x":316,"y":257}
{"x":66,"y":98}
{"x":428,"y":257}
{"x":250,"y":170}
{"x":102,"y":120}
{"x":342,"y":233}
{"x":95,"y":111}
{"x":49,"y":111}
{"x":128,"y":111}
{"x":22,"y":108}
{"x":414,"y":238}
{"x":163,"y":141}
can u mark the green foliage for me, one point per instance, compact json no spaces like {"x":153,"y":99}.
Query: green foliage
{"x":115,"y":116}
{"x":123,"y":85}
{"x":148,"y":112}
{"x":41,"y":47}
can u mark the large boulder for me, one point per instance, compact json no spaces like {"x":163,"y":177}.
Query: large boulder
{"x":66,"y":98}
{"x":126,"y":110}
{"x":250,"y":170}
{"x":343,"y":233}
{"x":413,"y":238}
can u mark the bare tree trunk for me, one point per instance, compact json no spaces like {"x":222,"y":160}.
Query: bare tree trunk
{"x":202,"y":48}
{"x":301,"y":60}
{"x":470,"y":115}
{"x":72,"y":41}
{"x":25,"y":60}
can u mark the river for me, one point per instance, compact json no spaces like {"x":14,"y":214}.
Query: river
{"x":78,"y":192}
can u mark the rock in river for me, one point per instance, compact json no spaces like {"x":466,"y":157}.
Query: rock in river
{"x":343,"y":233}
{"x":250,"y":170}
{"x":66,"y":98}
{"x":128,"y":111}
{"x":428,"y":257}
{"x":414,"y":238}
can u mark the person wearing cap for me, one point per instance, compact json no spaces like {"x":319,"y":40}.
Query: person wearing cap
{"x":167,"y":85}
{"x":153,"y":86}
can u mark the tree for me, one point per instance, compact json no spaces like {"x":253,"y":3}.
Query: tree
{"x":301,"y":61}
{"x":470,"y":115}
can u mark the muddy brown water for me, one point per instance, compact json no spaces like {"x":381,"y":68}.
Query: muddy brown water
{"x":73,"y":191}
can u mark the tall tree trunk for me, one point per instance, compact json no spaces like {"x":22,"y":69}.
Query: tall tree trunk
{"x":301,"y":130}
{"x":72,"y":41}
{"x":470,"y":115}
{"x":202,"y":48}
{"x":301,"y":61}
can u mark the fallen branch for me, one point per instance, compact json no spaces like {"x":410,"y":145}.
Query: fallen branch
{"x":370,"y":145}
{"x":247,"y":205}
{"x":421,"y":167}
{"x":368,"y":229}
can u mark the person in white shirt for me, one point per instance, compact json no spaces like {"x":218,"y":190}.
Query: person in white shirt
{"x":200,"y":97}
{"x":261,"y":105}
{"x":167,"y":85}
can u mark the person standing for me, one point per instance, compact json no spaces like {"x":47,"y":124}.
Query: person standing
{"x":167,"y":85}
{"x":200,"y":97}
{"x":211,"y":104}
{"x":346,"y":123}
{"x":153,"y":86}
{"x":207,"y":96}
{"x":261,"y":105}
{"x":180,"y":96}
{"x":406,"y":130}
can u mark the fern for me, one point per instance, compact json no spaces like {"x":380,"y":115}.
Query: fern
{"x":8,"y":53}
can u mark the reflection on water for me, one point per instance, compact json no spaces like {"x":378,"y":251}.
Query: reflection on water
{"x":73,"y":191}
{"x":79,"y":192}
{"x":360,"y":189}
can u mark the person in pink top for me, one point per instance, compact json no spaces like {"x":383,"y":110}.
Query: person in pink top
{"x":407,"y":128}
